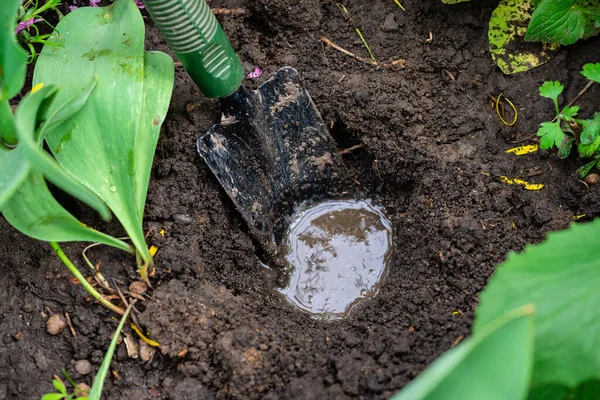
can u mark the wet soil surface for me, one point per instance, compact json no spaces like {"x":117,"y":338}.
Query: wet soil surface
{"x":432,"y":150}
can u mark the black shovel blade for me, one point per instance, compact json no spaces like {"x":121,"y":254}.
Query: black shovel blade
{"x":270,"y":152}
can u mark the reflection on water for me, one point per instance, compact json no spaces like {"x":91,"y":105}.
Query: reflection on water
{"x":337,"y":253}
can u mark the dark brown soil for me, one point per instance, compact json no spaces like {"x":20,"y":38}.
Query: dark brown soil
{"x":432,"y":152}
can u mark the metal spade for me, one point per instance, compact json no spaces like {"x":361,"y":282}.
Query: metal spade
{"x":271,"y":150}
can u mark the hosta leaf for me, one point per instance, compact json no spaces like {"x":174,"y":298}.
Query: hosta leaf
{"x":592,"y":71}
{"x":551,"y":135}
{"x":14,"y":171}
{"x":506,"y":32}
{"x":561,"y":278}
{"x":35,"y":212}
{"x":494,"y":364}
{"x":99,"y":144}
{"x":29,"y":145}
{"x":564,"y":21}
{"x":12,"y":56}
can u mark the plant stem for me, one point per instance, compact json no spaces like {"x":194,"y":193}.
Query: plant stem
{"x":8,"y":128}
{"x":557,"y":108}
{"x":63,"y":257}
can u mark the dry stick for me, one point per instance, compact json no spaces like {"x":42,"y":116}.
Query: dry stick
{"x":229,"y":11}
{"x":350,"y":149}
{"x":581,"y":93}
{"x":329,"y":43}
{"x":133,"y":316}
{"x":524,"y":139}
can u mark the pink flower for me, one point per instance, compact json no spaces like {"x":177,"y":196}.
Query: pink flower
{"x":139,"y":4}
{"x":257,"y":73}
{"x":94,"y":3}
{"x":26,"y":24}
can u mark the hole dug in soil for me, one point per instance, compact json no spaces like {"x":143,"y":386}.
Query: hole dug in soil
{"x":426,"y":139}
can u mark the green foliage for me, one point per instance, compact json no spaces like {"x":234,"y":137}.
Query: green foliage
{"x":96,"y":392}
{"x":506,"y":34}
{"x":31,"y":12}
{"x":62,"y":392}
{"x":564,"y":21}
{"x":561,"y":278}
{"x":472,"y":370}
{"x":109,"y":145}
{"x":592,"y":71}
{"x":567,"y":130}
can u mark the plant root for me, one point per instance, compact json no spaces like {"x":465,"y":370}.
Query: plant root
{"x":398,"y":63}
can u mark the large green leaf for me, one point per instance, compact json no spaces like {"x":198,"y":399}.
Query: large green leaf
{"x":102,"y":145}
{"x":494,"y":364}
{"x":561,"y":278}
{"x":564,"y":21}
{"x":506,"y":32}
{"x":12,"y":56}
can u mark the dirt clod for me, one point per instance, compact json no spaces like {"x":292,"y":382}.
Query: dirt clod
{"x":83,"y":367}
{"x":55,"y":324}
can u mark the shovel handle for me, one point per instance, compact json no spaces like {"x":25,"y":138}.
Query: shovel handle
{"x":196,"y":37}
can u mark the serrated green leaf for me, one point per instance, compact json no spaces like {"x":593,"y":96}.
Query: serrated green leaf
{"x":99,"y":145}
{"x":561,"y":278}
{"x":551,"y":135}
{"x":592,"y":71}
{"x":564,"y":21}
{"x":565,"y":148}
{"x":12,"y":57}
{"x":506,"y":32}
{"x":570,"y":112}
{"x":96,"y":390}
{"x":551,"y":90}
{"x":585,"y":169}
{"x":472,"y":370}
{"x":590,"y":129}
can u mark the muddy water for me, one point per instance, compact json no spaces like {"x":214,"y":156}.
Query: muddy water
{"x":337,"y":254}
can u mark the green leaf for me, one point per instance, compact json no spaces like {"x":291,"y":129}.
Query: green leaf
{"x":96,"y":390}
{"x":14,"y":171}
{"x":506,"y":32}
{"x":585,"y":169}
{"x":549,"y":392}
{"x":54,"y":396}
{"x":565,"y":148}
{"x":569,"y":112}
{"x":561,"y":278}
{"x":102,"y":145}
{"x":26,"y":116}
{"x":35,"y":212}
{"x":551,"y":135}
{"x":564,"y":21}
{"x":592,"y":71}
{"x":472,"y":370}
{"x":12,"y":57}
{"x":58,"y":385}
{"x":551,"y":89}
{"x":590,"y":128}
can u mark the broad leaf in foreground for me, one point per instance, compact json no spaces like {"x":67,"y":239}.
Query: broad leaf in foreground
{"x":592,"y":71}
{"x":494,"y":364}
{"x":506,"y":32}
{"x":109,"y":145}
{"x":560,"y":277}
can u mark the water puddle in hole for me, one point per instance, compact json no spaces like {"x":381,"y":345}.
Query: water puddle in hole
{"x":337,"y":254}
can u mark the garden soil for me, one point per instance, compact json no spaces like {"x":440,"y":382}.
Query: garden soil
{"x":431,"y":152}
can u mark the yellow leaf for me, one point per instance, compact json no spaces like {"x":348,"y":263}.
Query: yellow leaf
{"x":522,"y":150}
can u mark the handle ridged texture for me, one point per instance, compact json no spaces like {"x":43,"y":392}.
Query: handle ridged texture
{"x":199,"y":42}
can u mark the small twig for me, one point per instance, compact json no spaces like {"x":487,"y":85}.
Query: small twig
{"x":124,"y":300}
{"x":399,"y":63}
{"x":70,"y":324}
{"x":581,"y":93}
{"x":230,"y":11}
{"x":177,"y":64}
{"x":350,"y":149}
{"x":524,"y":139}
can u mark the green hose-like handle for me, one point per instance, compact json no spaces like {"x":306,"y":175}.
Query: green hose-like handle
{"x":199,"y":42}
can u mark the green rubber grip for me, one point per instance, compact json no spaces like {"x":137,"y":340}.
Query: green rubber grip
{"x":199,"y":42}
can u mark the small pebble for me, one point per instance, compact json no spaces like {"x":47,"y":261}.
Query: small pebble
{"x":592,"y":179}
{"x":183,"y":219}
{"x":390,"y":23}
{"x":83,"y":367}
{"x":55,"y":324}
